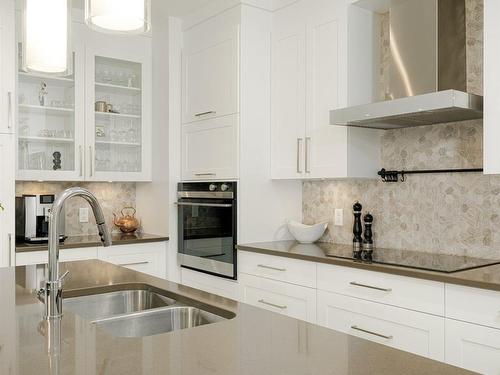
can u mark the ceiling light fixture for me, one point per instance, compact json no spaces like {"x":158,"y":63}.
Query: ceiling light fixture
{"x":47,"y":37}
{"x":118,"y":16}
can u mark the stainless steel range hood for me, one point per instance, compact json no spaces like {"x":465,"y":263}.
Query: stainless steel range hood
{"x":428,"y":70}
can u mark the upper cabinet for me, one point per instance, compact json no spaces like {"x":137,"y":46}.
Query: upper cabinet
{"x":210,"y":70}
{"x":7,"y":67}
{"x":210,"y":98}
{"x":94,"y":125}
{"x":310,"y":76}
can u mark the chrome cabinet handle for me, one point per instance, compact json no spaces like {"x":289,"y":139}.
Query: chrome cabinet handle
{"x":204,"y":204}
{"x":282,"y":307}
{"x":354,"y":283}
{"x":387,"y":337}
{"x":205,"y":174}
{"x":132,"y":264}
{"x":205,"y":113}
{"x":81,"y":161}
{"x":308,"y":143}
{"x":91,"y":157}
{"x":10,"y":250}
{"x":299,"y":151}
{"x":271,"y":268}
{"x":9,"y":113}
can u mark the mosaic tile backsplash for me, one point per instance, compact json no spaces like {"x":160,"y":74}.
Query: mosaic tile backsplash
{"x":112,"y":197}
{"x":443,"y":213}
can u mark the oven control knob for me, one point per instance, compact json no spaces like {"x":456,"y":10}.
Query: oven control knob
{"x":212,"y":187}
{"x":224,"y":187}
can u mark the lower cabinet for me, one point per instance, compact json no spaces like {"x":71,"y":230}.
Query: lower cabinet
{"x":208,"y":283}
{"x":148,"y":258}
{"x":407,"y":330}
{"x":293,"y":300}
{"x":473,"y":347}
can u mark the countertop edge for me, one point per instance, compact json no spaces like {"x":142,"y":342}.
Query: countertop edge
{"x":449,"y":278}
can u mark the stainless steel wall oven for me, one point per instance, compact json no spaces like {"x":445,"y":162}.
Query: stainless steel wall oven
{"x":207,"y":227}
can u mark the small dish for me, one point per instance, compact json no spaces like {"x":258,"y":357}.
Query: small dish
{"x":306,"y":233}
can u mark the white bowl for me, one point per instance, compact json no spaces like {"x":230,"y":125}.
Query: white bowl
{"x":306,"y":233}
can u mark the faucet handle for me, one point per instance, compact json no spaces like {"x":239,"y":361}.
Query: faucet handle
{"x":61,"y":279}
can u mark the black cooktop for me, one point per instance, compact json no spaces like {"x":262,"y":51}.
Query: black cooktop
{"x":412,"y":259}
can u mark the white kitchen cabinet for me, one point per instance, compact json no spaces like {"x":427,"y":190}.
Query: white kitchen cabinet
{"x":210,"y":149}
{"x":93,"y":145}
{"x":65,"y":255}
{"x":148,"y":258}
{"x":210,"y":68}
{"x":118,"y":72}
{"x":407,"y":330}
{"x":211,"y":284}
{"x":292,"y":300}
{"x":310,"y":78}
{"x":473,"y":347}
{"x":7,"y":203}
{"x":7,"y":67}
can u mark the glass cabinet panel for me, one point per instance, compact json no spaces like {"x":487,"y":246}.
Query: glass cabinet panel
{"x":118,"y":116}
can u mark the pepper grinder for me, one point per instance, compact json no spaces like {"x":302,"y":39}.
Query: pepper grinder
{"x":357,"y":230}
{"x":368,"y":240}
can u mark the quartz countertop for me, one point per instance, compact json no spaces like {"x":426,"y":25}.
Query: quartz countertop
{"x":486,"y":277}
{"x":94,"y":240}
{"x":253,"y":342}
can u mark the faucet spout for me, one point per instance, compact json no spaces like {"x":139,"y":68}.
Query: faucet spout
{"x":53,"y":286}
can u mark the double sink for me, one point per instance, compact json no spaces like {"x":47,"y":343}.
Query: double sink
{"x":141,"y":310}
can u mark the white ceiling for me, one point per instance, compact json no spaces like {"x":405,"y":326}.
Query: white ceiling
{"x":175,"y":8}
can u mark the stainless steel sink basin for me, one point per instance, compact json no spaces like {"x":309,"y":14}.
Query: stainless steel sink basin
{"x":154,"y":322}
{"x":98,"y":306}
{"x":137,"y":310}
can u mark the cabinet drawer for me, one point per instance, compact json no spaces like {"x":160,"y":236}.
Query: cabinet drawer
{"x":415,"y":294}
{"x":402,"y":329}
{"x":65,"y":255}
{"x":473,"y":305}
{"x":473,"y":347}
{"x":292,"y":300}
{"x":293,"y":271}
{"x":209,"y":283}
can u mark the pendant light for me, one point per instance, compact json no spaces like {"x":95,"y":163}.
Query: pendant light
{"x":118,"y":16}
{"x":47,"y":37}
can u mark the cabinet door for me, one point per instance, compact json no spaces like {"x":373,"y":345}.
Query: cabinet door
{"x":51,"y":122}
{"x":210,"y":69}
{"x":326,"y":51}
{"x":118,"y":108}
{"x":7,"y":194}
{"x":210,"y":149}
{"x":473,"y":347}
{"x":292,"y":300}
{"x":7,"y":67}
{"x":288,"y":93}
{"x":402,"y":329}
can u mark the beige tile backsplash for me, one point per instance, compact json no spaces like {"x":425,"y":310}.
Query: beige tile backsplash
{"x":447,"y":213}
{"x":112,"y":196}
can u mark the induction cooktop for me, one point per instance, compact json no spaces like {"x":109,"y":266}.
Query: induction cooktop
{"x":411,"y":259}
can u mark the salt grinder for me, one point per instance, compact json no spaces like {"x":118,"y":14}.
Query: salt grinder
{"x":368,"y":240}
{"x":357,"y":230}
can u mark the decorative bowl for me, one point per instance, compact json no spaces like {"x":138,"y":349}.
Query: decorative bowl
{"x":306,"y":233}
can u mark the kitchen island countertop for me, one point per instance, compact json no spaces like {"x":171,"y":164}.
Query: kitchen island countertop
{"x":254,"y":342}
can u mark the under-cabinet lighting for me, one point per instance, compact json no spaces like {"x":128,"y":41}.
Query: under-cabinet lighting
{"x":47,"y":37}
{"x":118,"y":16}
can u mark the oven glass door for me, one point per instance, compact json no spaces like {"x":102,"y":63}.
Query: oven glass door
{"x":206,"y":229}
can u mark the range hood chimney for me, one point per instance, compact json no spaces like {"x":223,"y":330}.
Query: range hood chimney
{"x":428,"y":70}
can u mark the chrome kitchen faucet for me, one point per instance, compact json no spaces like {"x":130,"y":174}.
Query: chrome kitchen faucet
{"x":52,"y":290}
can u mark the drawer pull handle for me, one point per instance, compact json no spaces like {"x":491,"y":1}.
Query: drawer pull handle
{"x":387,"y":337}
{"x":205,"y":113}
{"x":271,"y":268}
{"x":370,"y":287}
{"x":132,"y":264}
{"x":282,"y":307}
{"x":205,"y":174}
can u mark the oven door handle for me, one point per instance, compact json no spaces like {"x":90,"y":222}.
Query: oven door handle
{"x":204,"y":204}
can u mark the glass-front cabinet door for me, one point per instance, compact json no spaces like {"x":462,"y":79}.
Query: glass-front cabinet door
{"x":50,"y":120}
{"x":119,"y":111}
